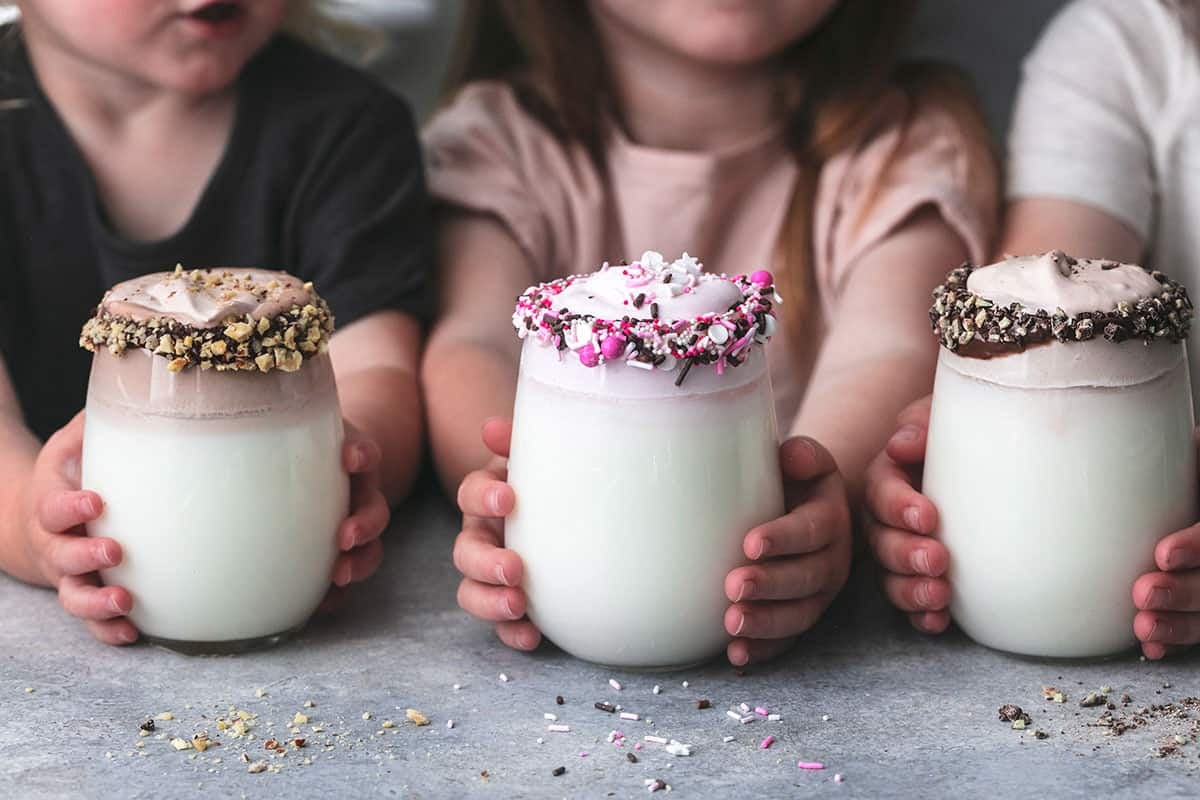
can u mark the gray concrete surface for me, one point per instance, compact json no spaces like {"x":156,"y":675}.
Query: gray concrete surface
{"x":907,"y":715}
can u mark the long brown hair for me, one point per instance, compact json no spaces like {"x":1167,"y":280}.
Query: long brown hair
{"x":835,"y":84}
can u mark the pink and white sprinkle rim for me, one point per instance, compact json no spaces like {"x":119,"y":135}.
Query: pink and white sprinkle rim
{"x":640,"y":339}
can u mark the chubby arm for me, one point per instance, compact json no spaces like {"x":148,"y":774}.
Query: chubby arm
{"x":18,"y":452}
{"x":878,"y":353}
{"x":469,"y":373}
{"x":1038,"y":224}
{"x":376,"y":360}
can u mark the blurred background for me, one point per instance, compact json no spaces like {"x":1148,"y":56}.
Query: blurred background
{"x":986,"y":38}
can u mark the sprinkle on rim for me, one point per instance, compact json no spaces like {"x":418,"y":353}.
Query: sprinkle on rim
{"x":722,"y":339}
{"x":967,"y":323}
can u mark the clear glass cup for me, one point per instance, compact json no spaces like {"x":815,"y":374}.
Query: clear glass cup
{"x":225,"y":491}
{"x":1053,"y":493}
{"x":633,"y":500}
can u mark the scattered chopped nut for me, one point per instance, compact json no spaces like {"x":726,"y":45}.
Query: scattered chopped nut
{"x":417,"y":717}
{"x":257,"y":767}
{"x":181,"y":744}
{"x":300,"y":719}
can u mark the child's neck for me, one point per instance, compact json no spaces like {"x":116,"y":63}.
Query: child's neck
{"x":670,"y":102}
{"x":124,"y":127}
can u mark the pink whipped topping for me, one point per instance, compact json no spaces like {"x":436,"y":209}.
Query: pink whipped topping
{"x":652,"y":315}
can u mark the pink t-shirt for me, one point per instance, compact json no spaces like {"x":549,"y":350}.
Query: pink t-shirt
{"x":486,"y":154}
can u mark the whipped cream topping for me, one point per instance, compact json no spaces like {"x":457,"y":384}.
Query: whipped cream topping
{"x":1055,"y":280}
{"x":1024,"y":301}
{"x":204,"y":298}
{"x":652,"y":315}
{"x":248,"y":320}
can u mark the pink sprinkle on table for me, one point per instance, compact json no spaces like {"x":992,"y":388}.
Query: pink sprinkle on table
{"x":766,"y":743}
{"x":762,"y":712}
{"x":810,"y":765}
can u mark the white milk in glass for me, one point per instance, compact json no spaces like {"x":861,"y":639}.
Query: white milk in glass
{"x":1058,"y":455}
{"x":222,"y":483}
{"x":636,"y":481}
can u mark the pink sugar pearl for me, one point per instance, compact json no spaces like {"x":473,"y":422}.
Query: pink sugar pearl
{"x":588,"y":356}
{"x":762,"y":278}
{"x":612,"y":347}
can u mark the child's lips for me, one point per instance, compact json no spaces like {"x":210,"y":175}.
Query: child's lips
{"x":218,"y":18}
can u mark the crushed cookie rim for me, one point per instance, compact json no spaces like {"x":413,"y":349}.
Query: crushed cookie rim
{"x":237,"y":343}
{"x":651,"y":343}
{"x":962,"y":319}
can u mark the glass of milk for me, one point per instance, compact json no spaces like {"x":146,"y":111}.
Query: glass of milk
{"x":644,"y":449}
{"x":1060,"y":446}
{"x":214,"y":435}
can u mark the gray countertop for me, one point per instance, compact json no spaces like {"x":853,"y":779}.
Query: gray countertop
{"x":893,"y":712}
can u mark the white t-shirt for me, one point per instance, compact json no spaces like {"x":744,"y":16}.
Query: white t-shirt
{"x":1109,"y":115}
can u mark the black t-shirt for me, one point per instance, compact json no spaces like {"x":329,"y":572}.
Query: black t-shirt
{"x":321,"y":177}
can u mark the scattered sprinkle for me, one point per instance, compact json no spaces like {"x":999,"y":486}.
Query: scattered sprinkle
{"x":810,"y":765}
{"x":838,"y":778}
{"x":656,"y":785}
{"x":551,"y":717}
{"x":558,"y":771}
{"x":366,"y":715}
{"x":558,"y":728}
{"x":260,"y":692}
{"x":456,"y":686}
{"x":656,"y":690}
{"x":631,"y":758}
{"x":449,"y":723}
{"x":165,"y":716}
{"x":630,"y":716}
{"x":703,"y":704}
{"x":824,"y":718}
{"x":733,"y":715}
{"x":685,"y":684}
{"x":540,"y":740}
{"x":746,"y":720}
{"x":727,"y":739}
{"x":762,"y":712}
{"x":607,"y":707}
{"x":613,"y":682}
{"x":30,"y":690}
{"x":744,"y":707}
{"x":558,"y":700}
{"x":766,"y":743}
{"x":503,"y":678}
{"x":679,"y":749}
{"x":774,"y":717}
{"x":655,"y":739}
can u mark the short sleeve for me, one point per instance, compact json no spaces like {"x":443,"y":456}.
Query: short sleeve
{"x":920,"y":160}
{"x":1077,"y":130}
{"x":360,"y":223}
{"x":485,"y":154}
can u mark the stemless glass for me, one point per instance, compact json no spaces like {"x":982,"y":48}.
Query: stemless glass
{"x":1055,"y":470}
{"x":224,"y":488}
{"x":634,"y":495}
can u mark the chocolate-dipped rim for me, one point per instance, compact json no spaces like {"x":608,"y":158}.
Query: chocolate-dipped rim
{"x":238,"y":342}
{"x":972,"y":325}
{"x":652,"y":344}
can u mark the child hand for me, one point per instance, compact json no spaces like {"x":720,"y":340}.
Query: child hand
{"x":358,"y":535}
{"x":901,"y":523}
{"x":800,"y":560}
{"x":1168,"y":601}
{"x":490,"y":588}
{"x":55,"y":512}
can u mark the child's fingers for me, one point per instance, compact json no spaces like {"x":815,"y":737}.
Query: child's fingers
{"x":1154,"y":651}
{"x":491,"y":603}
{"x":892,"y":500}
{"x":916,"y":413}
{"x":79,"y":555}
{"x":81,"y":597}
{"x":1168,"y":591}
{"x":497,"y":435}
{"x":62,"y":510}
{"x":522,"y":635}
{"x":804,"y":459}
{"x":360,"y":453}
{"x":1167,"y":627}
{"x":482,"y":495}
{"x":774,"y":620}
{"x":809,"y":527}
{"x":783,"y":579}
{"x":753,"y":651}
{"x":357,"y":565}
{"x":479,"y":556}
{"x":113,"y":631}
{"x":64,"y":450}
{"x":369,"y":517}
{"x":907,"y":553}
{"x":916,"y":594}
{"x":907,"y":445}
{"x":930,"y":621}
{"x":1179,"y":550}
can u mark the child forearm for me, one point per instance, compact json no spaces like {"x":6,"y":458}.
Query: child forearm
{"x":18,"y":452}
{"x":465,"y":383}
{"x":385,"y":404}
